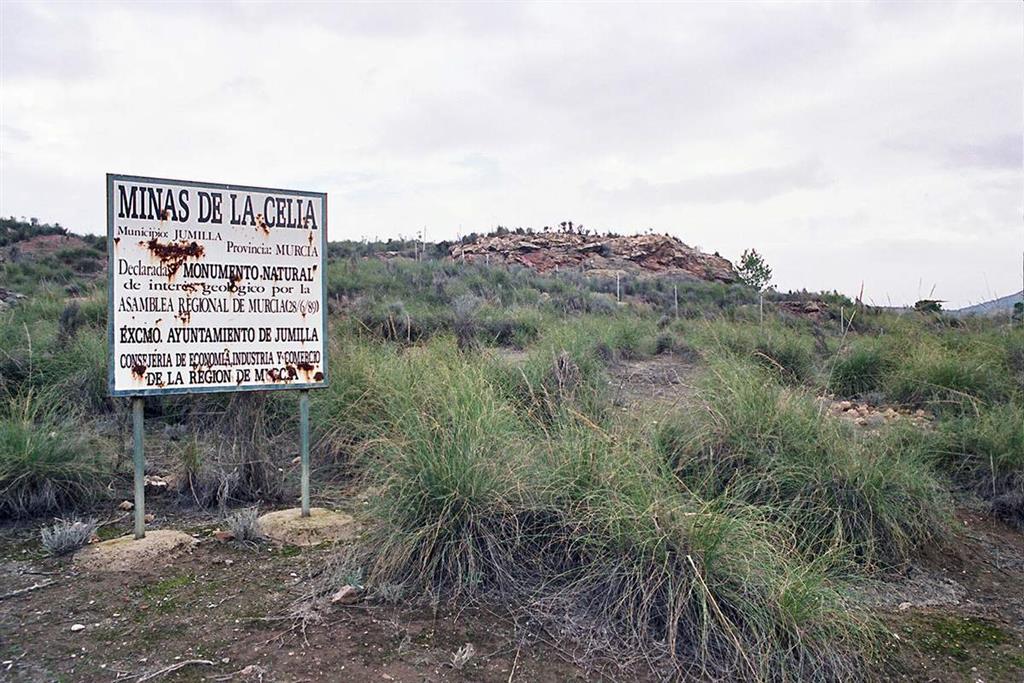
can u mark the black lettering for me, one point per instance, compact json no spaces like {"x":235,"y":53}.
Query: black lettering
{"x":183,"y":200}
{"x":126,"y":204}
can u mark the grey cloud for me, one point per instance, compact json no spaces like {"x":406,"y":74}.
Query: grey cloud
{"x":839,"y":123}
{"x":1003,"y":153}
{"x":752,"y":185}
{"x":40,"y":41}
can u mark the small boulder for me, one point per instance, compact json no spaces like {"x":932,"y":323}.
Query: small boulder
{"x":126,"y":505}
{"x":156,"y":486}
{"x":288,"y":527}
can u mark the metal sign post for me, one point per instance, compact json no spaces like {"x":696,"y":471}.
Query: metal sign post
{"x":304,"y":454}
{"x":139,"y":458}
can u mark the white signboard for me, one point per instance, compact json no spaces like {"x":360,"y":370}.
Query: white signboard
{"x":215,"y":287}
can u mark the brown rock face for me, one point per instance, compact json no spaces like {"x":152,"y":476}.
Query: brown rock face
{"x":645,"y":253}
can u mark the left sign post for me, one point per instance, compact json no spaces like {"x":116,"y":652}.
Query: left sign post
{"x":214,"y":287}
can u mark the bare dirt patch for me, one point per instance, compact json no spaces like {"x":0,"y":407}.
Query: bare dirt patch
{"x":126,"y":553}
{"x":289,"y":527}
{"x":959,"y":615}
{"x":667,"y":380}
{"x":229,"y":604}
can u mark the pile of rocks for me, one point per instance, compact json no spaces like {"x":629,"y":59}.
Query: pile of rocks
{"x":547,"y":251}
{"x":814,"y":309}
{"x":866,"y":415}
{"x":9,"y":298}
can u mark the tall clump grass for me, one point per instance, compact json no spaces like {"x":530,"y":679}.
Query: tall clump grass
{"x":862,"y":367}
{"x":785,"y":353}
{"x":46,"y":464}
{"x":761,"y":444}
{"x":982,"y":453}
{"x":583,"y":527}
{"x":952,"y":377}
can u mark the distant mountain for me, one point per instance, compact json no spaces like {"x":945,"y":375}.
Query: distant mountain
{"x":1001,"y":306}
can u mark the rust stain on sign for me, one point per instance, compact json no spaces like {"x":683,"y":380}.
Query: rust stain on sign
{"x":286,"y":374}
{"x":261,"y":223}
{"x":307,"y":369}
{"x":233,"y":282}
{"x":139,"y":371}
{"x":174,"y":254}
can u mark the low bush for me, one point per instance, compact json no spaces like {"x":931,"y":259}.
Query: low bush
{"x":861,"y":368}
{"x":764,"y":445}
{"x":244,"y":526}
{"x":66,"y":536}
{"x":585,"y":530}
{"x":46,"y":463}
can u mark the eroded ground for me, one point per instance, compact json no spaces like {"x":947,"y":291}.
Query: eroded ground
{"x":227,"y":605}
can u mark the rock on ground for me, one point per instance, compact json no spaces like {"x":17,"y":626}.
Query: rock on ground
{"x":125,"y":554}
{"x":289,"y":527}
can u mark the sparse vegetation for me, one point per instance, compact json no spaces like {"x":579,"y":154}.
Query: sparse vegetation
{"x":715,"y":538}
{"x":244,"y":526}
{"x":65,"y":536}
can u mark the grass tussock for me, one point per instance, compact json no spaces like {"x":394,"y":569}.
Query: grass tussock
{"x":585,"y":529}
{"x":861,"y":368}
{"x":46,"y":464}
{"x":782,"y":351}
{"x":981,"y":453}
{"x":842,"y":497}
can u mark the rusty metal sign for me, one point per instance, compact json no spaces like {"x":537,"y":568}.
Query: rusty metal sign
{"x":214,"y":287}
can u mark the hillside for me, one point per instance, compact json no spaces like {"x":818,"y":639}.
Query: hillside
{"x":1001,"y":306}
{"x":553,"y":472}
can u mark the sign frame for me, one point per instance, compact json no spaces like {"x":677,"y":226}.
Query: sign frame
{"x":112,"y":178}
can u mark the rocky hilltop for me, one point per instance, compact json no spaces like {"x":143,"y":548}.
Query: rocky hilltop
{"x":638,"y":254}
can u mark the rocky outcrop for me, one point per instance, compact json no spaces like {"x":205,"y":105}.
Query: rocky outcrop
{"x":549,"y":251}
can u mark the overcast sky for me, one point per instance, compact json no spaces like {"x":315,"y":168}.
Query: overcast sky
{"x":874,"y":142}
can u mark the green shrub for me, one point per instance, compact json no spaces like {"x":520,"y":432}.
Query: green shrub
{"x":774,"y":448}
{"x":46,"y":464}
{"x":587,"y":531}
{"x":861,"y":368}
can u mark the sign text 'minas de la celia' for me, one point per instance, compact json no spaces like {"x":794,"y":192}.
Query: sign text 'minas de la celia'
{"x":215,"y":287}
